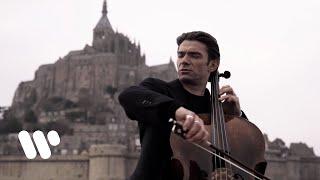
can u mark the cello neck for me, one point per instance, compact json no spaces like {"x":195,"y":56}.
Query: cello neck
{"x":219,"y":135}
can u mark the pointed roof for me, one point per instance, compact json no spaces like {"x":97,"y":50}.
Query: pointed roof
{"x":104,"y":8}
{"x":104,"y":23}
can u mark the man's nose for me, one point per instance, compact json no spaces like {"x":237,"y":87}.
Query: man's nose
{"x":185,"y":60}
{"x":183,"y":63}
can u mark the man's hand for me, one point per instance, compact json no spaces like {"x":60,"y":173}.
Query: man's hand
{"x":193,"y":124}
{"x":230,"y":101}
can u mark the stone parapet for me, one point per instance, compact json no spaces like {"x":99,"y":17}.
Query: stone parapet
{"x":107,"y":162}
{"x":54,"y":168}
{"x":22,"y":158}
{"x":107,"y":150}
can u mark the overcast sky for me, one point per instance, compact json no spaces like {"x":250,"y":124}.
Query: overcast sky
{"x":271,"y":48}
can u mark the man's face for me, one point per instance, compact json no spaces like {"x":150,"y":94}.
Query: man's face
{"x":192,"y":63}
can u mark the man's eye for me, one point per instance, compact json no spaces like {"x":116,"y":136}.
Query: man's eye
{"x":195,"y":55}
{"x":181,"y":54}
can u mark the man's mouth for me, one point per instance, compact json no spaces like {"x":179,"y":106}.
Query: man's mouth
{"x":185,"y":70}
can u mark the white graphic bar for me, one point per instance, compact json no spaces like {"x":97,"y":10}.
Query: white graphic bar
{"x":42,"y":145}
{"x":53,"y":138}
{"x":27,"y":145}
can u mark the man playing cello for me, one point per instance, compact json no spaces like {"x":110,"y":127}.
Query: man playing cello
{"x":153,"y":102}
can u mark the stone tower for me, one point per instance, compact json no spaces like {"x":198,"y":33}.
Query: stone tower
{"x":103,"y":34}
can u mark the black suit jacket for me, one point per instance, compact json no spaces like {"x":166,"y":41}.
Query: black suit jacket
{"x":152,"y":103}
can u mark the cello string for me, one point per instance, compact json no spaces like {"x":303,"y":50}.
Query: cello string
{"x":222,"y":125}
{"x":220,"y":121}
{"x":218,"y":118}
{"x":227,"y":160}
{"x":225,"y":137}
{"x":225,"y":140}
{"x":213,"y":122}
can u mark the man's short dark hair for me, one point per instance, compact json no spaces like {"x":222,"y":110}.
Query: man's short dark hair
{"x":205,"y":38}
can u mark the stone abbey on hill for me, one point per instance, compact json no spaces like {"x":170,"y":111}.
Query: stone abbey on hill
{"x":77,"y":94}
{"x":85,"y":79}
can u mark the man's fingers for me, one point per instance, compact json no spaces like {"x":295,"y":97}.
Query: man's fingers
{"x":197,"y":137}
{"x":187,"y":124}
{"x":198,"y":132}
{"x":200,"y":136}
{"x":229,"y":98}
{"x":181,"y":113}
{"x":196,"y":126}
{"x":226,"y":90}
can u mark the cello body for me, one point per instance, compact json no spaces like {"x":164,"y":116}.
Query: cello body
{"x":189,"y":162}
{"x":233,"y":138}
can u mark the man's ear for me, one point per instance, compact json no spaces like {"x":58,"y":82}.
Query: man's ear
{"x":213,"y":64}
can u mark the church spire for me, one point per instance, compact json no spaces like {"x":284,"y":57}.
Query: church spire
{"x":104,"y":8}
{"x":103,"y":32}
{"x":104,"y":24}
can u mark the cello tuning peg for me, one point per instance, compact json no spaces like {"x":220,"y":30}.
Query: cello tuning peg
{"x":225,"y":74}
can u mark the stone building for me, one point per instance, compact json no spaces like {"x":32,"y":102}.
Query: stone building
{"x":80,"y":91}
{"x":296,"y":162}
{"x":2,"y":110}
{"x":87,"y":77}
{"x":82,"y":87}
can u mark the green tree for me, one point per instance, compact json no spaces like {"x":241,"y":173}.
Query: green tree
{"x":110,"y":90}
{"x":10,"y":126}
{"x":30,"y":117}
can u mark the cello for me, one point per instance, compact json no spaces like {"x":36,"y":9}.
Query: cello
{"x":236,"y":146}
